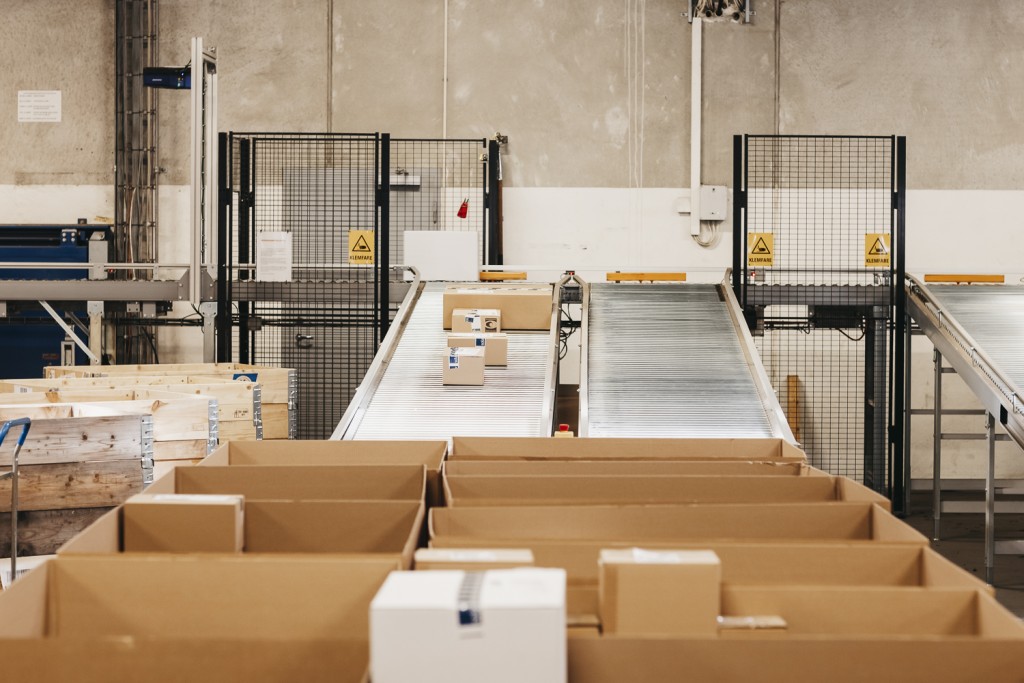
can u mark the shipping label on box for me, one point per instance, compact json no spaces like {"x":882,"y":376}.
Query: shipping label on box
{"x":494,"y":344}
{"x":184,"y":523}
{"x":463,"y":366}
{"x":476,"y":320}
{"x":670,"y":592}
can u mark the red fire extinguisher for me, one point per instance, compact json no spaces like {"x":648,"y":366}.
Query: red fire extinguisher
{"x":464,"y":209}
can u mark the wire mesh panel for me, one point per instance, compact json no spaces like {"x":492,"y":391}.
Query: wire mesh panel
{"x":302,"y":248}
{"x":816,"y":254}
{"x":437,"y":185}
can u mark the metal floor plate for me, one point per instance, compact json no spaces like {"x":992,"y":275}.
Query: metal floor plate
{"x":994,"y":317}
{"x":666,"y":361}
{"x":411,"y":402}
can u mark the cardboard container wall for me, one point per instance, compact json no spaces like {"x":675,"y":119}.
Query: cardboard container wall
{"x":595,"y":468}
{"x":509,"y":490}
{"x":428,"y":453}
{"x":543,"y":448}
{"x":472,"y":559}
{"x":300,"y":482}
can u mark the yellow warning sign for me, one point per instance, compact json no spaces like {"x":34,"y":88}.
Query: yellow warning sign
{"x":360,"y":246}
{"x":760,"y":249}
{"x":877,"y":250}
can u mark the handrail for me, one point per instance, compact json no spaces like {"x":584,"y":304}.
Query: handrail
{"x":26,"y":424}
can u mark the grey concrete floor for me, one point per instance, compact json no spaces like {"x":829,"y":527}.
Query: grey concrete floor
{"x":962,"y":540}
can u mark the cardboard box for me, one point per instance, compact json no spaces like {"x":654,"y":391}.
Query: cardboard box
{"x":544,"y":448}
{"x":175,"y":617}
{"x":463,"y":367}
{"x":180,"y":523}
{"x":299,"y":482}
{"x":637,"y":524}
{"x":501,"y":626}
{"x":660,"y":592}
{"x":610,"y":468}
{"x":476,"y":320}
{"x":473,"y":559}
{"x":388,"y":529}
{"x":510,"y":490}
{"x":428,"y":453}
{"x":523,"y":307}
{"x":495,"y":345}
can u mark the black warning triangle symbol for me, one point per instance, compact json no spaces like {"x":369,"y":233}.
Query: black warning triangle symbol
{"x":878,"y":248}
{"x":361,"y":247}
{"x":760,"y":247}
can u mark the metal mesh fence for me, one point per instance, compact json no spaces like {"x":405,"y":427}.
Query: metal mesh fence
{"x":818,"y":279}
{"x":437,"y":185}
{"x":297,"y":198}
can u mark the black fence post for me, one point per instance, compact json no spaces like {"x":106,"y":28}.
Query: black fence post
{"x":899,"y":488}
{"x":737,"y":223}
{"x":495,"y":250}
{"x":223,"y":321}
{"x":245,"y":209}
{"x":384,"y":237}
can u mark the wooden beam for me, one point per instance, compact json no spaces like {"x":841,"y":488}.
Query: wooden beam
{"x":73,"y":485}
{"x":79,"y":439}
{"x":646,"y":277}
{"x":964,"y":279}
{"x":42,"y":532}
{"x":793,"y":404}
{"x":501,"y":275}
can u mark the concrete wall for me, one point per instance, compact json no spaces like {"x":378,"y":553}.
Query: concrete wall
{"x":594,"y":97}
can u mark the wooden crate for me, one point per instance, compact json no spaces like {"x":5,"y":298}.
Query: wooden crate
{"x":278,"y":386}
{"x":78,"y":461}
{"x":239,"y":404}
{"x":182,"y":424}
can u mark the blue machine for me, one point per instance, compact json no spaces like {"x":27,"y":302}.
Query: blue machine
{"x":29,"y":339}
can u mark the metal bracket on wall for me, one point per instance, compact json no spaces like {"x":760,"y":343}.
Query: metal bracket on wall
{"x":70,"y":332}
{"x":208,"y":309}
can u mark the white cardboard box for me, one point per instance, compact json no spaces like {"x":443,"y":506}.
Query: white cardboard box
{"x":500,"y":626}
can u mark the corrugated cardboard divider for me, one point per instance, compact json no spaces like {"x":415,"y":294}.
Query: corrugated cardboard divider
{"x":543,"y":448}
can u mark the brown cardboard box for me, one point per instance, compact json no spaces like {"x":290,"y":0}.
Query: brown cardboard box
{"x":495,"y":345}
{"x":507,"y":490}
{"x":473,"y":559}
{"x":638,"y":524}
{"x":428,"y":453}
{"x":258,"y":619}
{"x":299,"y":482}
{"x":388,"y":529}
{"x":523,"y":307}
{"x":182,"y":523}
{"x":463,"y":367}
{"x":476,"y":320}
{"x":544,"y":448}
{"x":659,"y":592}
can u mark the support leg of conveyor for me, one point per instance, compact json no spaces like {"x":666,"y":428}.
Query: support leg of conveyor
{"x":990,"y":500}
{"x":937,"y":450}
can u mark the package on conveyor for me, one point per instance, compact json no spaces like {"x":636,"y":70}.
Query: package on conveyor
{"x":523,"y":307}
{"x":476,"y":320}
{"x":494,"y":344}
{"x":463,"y":366}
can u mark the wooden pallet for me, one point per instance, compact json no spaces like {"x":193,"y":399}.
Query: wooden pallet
{"x":277,"y":385}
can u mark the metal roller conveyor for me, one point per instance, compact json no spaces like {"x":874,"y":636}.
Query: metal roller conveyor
{"x":672,"y":360}
{"x":977,"y":329}
{"x":402,"y":396}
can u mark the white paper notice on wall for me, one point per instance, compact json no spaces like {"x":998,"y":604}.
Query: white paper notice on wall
{"x":39,"y":106}
{"x":274,"y":256}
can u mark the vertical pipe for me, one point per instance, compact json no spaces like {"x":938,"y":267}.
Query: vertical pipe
{"x":696,"y":109}
{"x":937,"y":449}
{"x":990,"y":500}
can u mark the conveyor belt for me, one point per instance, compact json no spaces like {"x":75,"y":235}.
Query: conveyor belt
{"x":409,"y":401}
{"x":978,"y":329}
{"x":670,"y":361}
